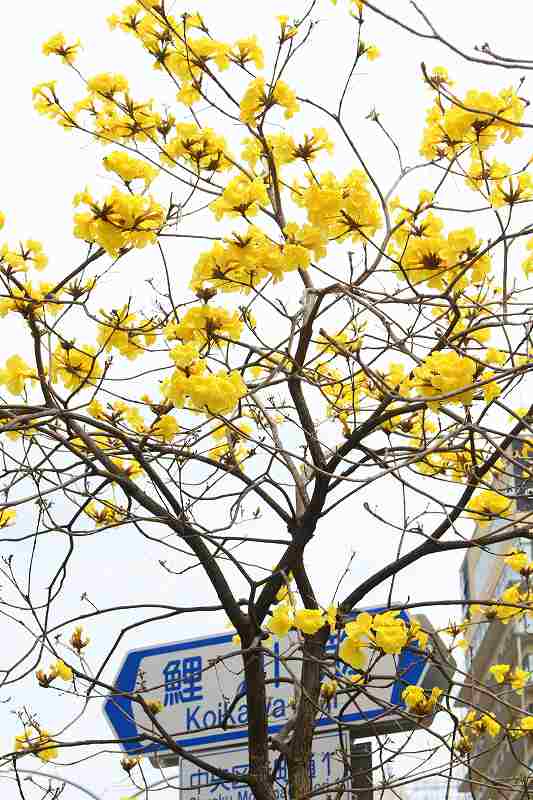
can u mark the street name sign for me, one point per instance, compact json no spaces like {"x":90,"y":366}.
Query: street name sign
{"x":201,"y":690}
{"x":326,"y":769}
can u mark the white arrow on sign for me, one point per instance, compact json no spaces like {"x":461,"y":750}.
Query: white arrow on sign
{"x":197,"y":691}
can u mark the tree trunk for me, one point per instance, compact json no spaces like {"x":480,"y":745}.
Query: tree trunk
{"x":301,"y":747}
{"x":257,"y":726}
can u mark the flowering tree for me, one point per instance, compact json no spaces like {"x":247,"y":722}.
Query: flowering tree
{"x":336,"y":332}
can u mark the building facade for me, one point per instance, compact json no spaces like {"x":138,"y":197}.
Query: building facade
{"x":434,"y":789}
{"x":485,"y":576}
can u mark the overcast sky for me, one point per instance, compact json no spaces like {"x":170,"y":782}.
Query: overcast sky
{"x":41,"y":168}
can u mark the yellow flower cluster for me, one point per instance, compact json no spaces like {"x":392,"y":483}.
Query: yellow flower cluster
{"x":515,"y":677}
{"x":386,"y":632}
{"x":123,"y":331}
{"x":129,"y":168}
{"x":524,"y":727}
{"x":163,"y":427}
{"x":328,"y":689}
{"x":57,"y":45}
{"x":257,"y":100}
{"x":508,"y":606}
{"x":420,"y":252}
{"x":120,"y":120}
{"x":241,"y":197}
{"x":476,"y":120}
{"x":30,"y":300}
{"x":211,"y":393}
{"x":7,"y":517}
{"x":342,"y":209}
{"x":472,"y":727}
{"x":487,"y":504}
{"x":247,"y":259}
{"x":247,"y":50}
{"x":172,"y":45}
{"x":118,"y":412}
{"x":104,"y":513}
{"x":283,"y":149}
{"x":108,"y":84}
{"x":201,"y":324}
{"x":308,"y":621}
{"x":519,"y":562}
{"x":527,"y":264}
{"x":46,"y":102}
{"x":57,"y":670}
{"x":15,"y":374}
{"x":518,"y":189}
{"x":120,"y":222}
{"x":37,"y":741}
{"x":419,"y":702}
{"x":131,"y":468}
{"x":201,"y":147}
{"x":75,"y":366}
{"x":282,"y":619}
{"x":442,"y":373}
{"x":342,"y":396}
{"x":353,"y":649}
{"x":29,"y":254}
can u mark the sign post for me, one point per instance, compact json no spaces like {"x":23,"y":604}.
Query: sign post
{"x":361,"y":760}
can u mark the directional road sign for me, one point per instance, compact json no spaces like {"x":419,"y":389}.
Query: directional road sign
{"x":326,"y":769}
{"x":201,"y":690}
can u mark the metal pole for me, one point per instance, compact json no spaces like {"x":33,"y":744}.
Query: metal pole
{"x":84,"y":789}
{"x":362,"y":780}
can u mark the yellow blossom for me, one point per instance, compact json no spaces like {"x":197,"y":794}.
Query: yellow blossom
{"x":57,"y":45}
{"x":487,"y":504}
{"x":7,"y":517}
{"x":517,"y":560}
{"x":390,"y":632}
{"x":78,"y":640}
{"x":328,"y":689}
{"x":129,"y":168}
{"x":15,"y":374}
{"x":165,"y":428}
{"x":418,"y":702}
{"x":120,"y":222}
{"x":281,"y":620}
{"x":241,"y":197}
{"x":107,"y":84}
{"x":37,"y":741}
{"x":372,"y":52}
{"x":309,"y":620}
{"x":258,"y":99}
{"x":499,"y":671}
{"x":353,"y":653}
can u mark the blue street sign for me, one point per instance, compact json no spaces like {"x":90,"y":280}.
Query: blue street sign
{"x":197,"y":683}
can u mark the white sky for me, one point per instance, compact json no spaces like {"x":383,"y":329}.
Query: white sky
{"x":41,"y":168}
